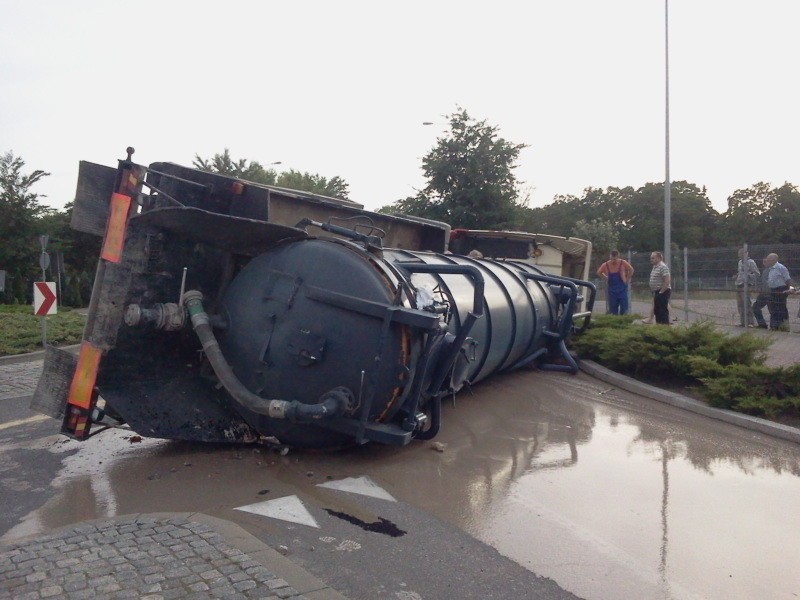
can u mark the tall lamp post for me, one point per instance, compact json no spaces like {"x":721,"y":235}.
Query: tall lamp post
{"x":667,"y":199}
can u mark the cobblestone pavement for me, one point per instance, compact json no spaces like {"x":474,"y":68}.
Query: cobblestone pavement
{"x":19,"y":379}
{"x":138,"y":557}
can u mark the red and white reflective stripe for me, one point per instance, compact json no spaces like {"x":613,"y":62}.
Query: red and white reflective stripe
{"x":114,"y":239}
{"x":82,"y":386}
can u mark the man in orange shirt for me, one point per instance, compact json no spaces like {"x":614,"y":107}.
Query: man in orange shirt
{"x":617,"y":273}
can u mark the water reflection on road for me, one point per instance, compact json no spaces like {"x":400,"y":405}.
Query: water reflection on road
{"x":611,"y":495}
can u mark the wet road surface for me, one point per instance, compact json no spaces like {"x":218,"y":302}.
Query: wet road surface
{"x":608,"y":494}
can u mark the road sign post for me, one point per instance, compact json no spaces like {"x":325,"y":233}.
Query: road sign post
{"x":44,"y":303}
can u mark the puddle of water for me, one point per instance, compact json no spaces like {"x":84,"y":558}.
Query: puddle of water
{"x":609,"y":495}
{"x":636,"y":518}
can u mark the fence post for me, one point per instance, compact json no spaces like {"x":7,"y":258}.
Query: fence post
{"x":630,"y":286}
{"x":686,"y":283}
{"x":745,"y":301}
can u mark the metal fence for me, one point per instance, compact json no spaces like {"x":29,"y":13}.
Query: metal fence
{"x":704,"y":282}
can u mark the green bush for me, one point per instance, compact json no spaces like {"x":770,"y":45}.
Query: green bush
{"x":729,"y":369}
{"x":664,"y":353}
{"x":757,"y":390}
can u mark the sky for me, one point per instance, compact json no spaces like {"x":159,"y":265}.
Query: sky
{"x":343,"y":87}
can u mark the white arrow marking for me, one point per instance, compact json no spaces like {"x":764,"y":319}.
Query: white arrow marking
{"x":288,"y":508}
{"x":359,"y":485}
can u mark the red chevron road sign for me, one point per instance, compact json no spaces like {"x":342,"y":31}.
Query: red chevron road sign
{"x":44,"y":298}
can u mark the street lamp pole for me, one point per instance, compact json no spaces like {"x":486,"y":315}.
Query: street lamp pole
{"x":667,"y":185}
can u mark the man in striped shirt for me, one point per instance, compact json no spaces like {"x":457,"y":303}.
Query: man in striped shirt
{"x":660,"y":286}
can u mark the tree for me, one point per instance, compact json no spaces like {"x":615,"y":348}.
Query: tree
{"x":471,"y":181}
{"x":561,"y":216}
{"x":602,"y":234}
{"x":783,"y":215}
{"x":693,"y":221}
{"x":80,"y":252}
{"x":762,"y":214}
{"x":19,"y":209}
{"x":242,"y":168}
{"x":335,"y":187}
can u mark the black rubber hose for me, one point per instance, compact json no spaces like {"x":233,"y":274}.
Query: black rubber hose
{"x":436,"y":420}
{"x":291,"y":410}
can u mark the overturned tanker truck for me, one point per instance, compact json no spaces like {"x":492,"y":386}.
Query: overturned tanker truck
{"x":230,"y":311}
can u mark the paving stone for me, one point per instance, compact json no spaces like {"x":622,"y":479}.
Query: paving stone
{"x":50,"y":591}
{"x":125,"y":594}
{"x":154,"y":578}
{"x":200,"y":586}
{"x":74,"y":586}
{"x":247,"y":584}
{"x":138,"y":558}
{"x":276,"y":583}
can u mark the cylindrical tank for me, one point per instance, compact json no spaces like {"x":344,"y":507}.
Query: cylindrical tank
{"x":312,"y":315}
{"x":517,"y":310}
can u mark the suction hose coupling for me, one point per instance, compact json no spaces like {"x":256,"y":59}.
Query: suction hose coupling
{"x":332,"y":403}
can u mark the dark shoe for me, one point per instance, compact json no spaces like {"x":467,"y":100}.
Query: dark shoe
{"x":762,"y":326}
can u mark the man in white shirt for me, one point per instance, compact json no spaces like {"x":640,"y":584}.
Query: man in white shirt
{"x":660,"y":286}
{"x":780,"y":284}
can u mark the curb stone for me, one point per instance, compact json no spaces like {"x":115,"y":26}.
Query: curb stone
{"x":778,"y":430}
{"x":12,"y":359}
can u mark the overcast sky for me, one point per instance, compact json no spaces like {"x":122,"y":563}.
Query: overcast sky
{"x":342,"y":88}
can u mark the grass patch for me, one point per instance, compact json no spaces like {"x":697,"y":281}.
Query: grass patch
{"x":21,"y":330}
{"x":728,"y":371}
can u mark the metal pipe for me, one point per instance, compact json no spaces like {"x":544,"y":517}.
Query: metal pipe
{"x":565,"y":321}
{"x":471,"y":272}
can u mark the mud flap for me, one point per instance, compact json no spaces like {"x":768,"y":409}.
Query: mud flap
{"x":50,"y":397}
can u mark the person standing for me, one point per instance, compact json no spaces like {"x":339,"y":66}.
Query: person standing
{"x":747,"y":273}
{"x":779,"y":286}
{"x":660,"y":286}
{"x":618,"y":273}
{"x":762,"y":299}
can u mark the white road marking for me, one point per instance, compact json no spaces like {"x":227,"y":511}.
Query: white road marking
{"x":359,"y":485}
{"x":288,"y":508}
{"x":18,"y":422}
